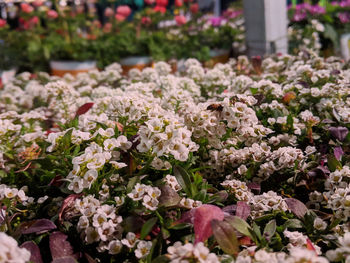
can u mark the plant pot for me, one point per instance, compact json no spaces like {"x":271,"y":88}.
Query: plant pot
{"x":60,"y":68}
{"x":6,"y":76}
{"x":217,"y":56}
{"x":132,"y":62}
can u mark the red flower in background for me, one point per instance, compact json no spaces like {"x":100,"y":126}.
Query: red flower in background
{"x":38,"y":3}
{"x":124,"y":10}
{"x":178,"y":3}
{"x":160,"y":9}
{"x":194,"y":8}
{"x":180,"y":20}
{"x":2,"y":23}
{"x":52,"y":14}
{"x":146,"y":20}
{"x":163,"y":3}
{"x":26,"y":8}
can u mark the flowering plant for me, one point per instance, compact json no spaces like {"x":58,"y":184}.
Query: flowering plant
{"x":248,"y":161}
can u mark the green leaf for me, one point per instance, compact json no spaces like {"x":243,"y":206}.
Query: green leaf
{"x":147,"y":227}
{"x":333,"y":163}
{"x":184,"y":180}
{"x":270,"y":230}
{"x":293,"y":223}
{"x":66,"y":139}
{"x":257,"y":231}
{"x":239,"y":224}
{"x":131,"y":183}
{"x":225,"y":235}
{"x":180,"y":226}
{"x":331,"y":33}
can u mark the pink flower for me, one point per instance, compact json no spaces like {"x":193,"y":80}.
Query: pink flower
{"x":97,"y":23}
{"x":109,"y":12}
{"x":150,"y":2}
{"x":33,"y":21}
{"x":160,"y":9}
{"x":180,"y":20}
{"x":2,"y":23}
{"x":124,"y":10}
{"x":26,"y":8}
{"x":178,"y":3}
{"x":146,"y":20}
{"x":163,"y":3}
{"x":119,"y":17}
{"x":38,"y":3}
{"x":52,"y":14}
{"x":107,"y":27}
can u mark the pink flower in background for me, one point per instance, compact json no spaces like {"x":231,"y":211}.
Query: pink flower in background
{"x":299,"y":16}
{"x":180,"y":20}
{"x":124,"y":10}
{"x":109,"y":12}
{"x":216,"y":21}
{"x":160,"y":9}
{"x":38,"y":3}
{"x":162,"y":3}
{"x":107,"y":27}
{"x":52,"y":14}
{"x":179,"y":3}
{"x":96,"y":23}
{"x":26,"y":8}
{"x":119,"y":17}
{"x":33,"y":21}
{"x":344,"y":17}
{"x":150,"y":2}
{"x":2,"y":23}
{"x":146,"y":20}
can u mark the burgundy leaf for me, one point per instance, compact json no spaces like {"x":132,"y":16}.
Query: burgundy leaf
{"x":296,"y":206}
{"x":64,"y":260}
{"x":243,"y":210}
{"x":59,"y":246}
{"x":57,"y":181}
{"x":84,"y":109}
{"x":339,"y":132}
{"x":254,"y":187}
{"x":66,"y":203}
{"x":338,"y":152}
{"x":203,"y":216}
{"x":309,"y":245}
{"x":37,"y":226}
{"x":34,"y":250}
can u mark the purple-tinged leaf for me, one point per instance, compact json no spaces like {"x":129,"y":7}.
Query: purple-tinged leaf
{"x":187,"y":217}
{"x":323,"y":169}
{"x":338,"y":152}
{"x":2,"y":215}
{"x":296,"y":207}
{"x":327,"y":121}
{"x":203,"y":215}
{"x":339,"y":132}
{"x":59,"y":246}
{"x":89,"y":258}
{"x":242,"y":210}
{"x":225,"y":235}
{"x":64,"y":260}
{"x":254,"y":187}
{"x":69,"y":201}
{"x":37,"y":226}
{"x":84,"y":109}
{"x":169,"y":196}
{"x":34,"y":250}
{"x":230,"y":209}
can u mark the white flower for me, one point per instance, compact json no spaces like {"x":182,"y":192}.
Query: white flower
{"x":319,"y":224}
{"x":150,"y":203}
{"x":42,"y":199}
{"x":130,"y":240}
{"x":92,"y":235}
{"x":114,"y":247}
{"x":10,"y":252}
{"x":143,"y":249}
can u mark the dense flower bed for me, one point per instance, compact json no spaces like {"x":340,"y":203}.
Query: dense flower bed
{"x":245,"y":162}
